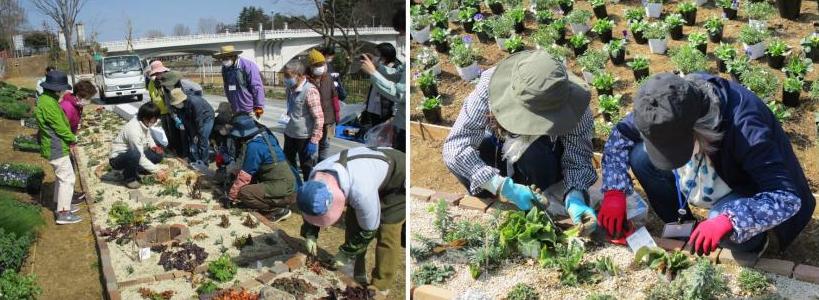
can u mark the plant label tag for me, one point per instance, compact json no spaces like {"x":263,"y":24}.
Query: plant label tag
{"x":144,"y":254}
{"x":232,"y":87}
{"x":678,"y":230}
{"x":640,"y":238}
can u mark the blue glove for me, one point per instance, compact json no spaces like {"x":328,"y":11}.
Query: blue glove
{"x":577,"y":207}
{"x":179,"y":123}
{"x":312,"y":149}
{"x":518,"y":194}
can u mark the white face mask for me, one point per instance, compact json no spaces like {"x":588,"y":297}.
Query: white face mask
{"x":179,"y":106}
{"x":319,"y":71}
{"x":227,"y":62}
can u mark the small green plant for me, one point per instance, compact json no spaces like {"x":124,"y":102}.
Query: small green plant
{"x":697,"y":38}
{"x":467,"y":14}
{"x":752,"y":282}
{"x":443,"y":220}
{"x":439,"y":36}
{"x":14,"y":249}
{"x":634,"y":14}
{"x":120,"y":214}
{"x":738,"y":65}
{"x":759,"y":11}
{"x":593,"y":60}
{"x":674,"y":20}
{"x":780,"y":112}
{"x":16,"y":286}
{"x":726,"y":3}
{"x":777,"y":47}
{"x":638,"y":26}
{"x":578,"y":16}
{"x":725,"y":52}
{"x":130,"y":270}
{"x":609,"y":104}
{"x":522,"y":291}
{"x":814,"y":90}
{"x":752,"y":36}
{"x":658,"y":259}
{"x":604,"y":81}
{"x":597,"y":296}
{"x":605,"y":265}
{"x":597,"y":3}
{"x":615,"y":47}
{"x":761,"y":81}
{"x":517,"y":14}
{"x":431,"y":103}
{"x":810,"y":42}
{"x":638,"y":63}
{"x":501,"y":27}
{"x":482,"y":24}
{"x":688,"y":59}
{"x":513,"y":44}
{"x":440,"y":16}
{"x":686,"y":7}
{"x":579,"y":40}
{"x":544,"y":16}
{"x":545,"y":36}
{"x":655,"y":31}
{"x":421,"y":21}
{"x":469,"y":233}
{"x":170,"y":190}
{"x":223,"y":269}
{"x":714,"y":24}
{"x":430,"y":274}
{"x":602,"y":25}
{"x":422,"y":249}
{"x":207,"y":287}
{"x":426,"y":80}
{"x":461,"y":55}
{"x":570,"y":263}
{"x":798,"y":66}
{"x":792,"y":84}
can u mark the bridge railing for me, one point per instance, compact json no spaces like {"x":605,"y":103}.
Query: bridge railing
{"x":233,"y":35}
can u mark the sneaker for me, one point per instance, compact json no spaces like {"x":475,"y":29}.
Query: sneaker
{"x":78,"y":198}
{"x":65,"y":217}
{"x":278,"y":214}
{"x":133,"y":185}
{"x":75,"y":208}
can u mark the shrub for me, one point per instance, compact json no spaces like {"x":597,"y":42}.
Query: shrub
{"x":14,"y":249}
{"x":761,"y":81}
{"x":438,"y":35}
{"x":751,"y":36}
{"x":579,"y":40}
{"x":761,"y":10}
{"x":431,"y":103}
{"x":752,"y":282}
{"x":223,"y":269}
{"x":461,"y":55}
{"x":593,"y":60}
{"x":578,"y":16}
{"x":545,"y":36}
{"x":16,"y":286}
{"x":614,"y":47}
{"x":688,"y":59}
{"x":467,"y":14}
{"x":725,"y":52}
{"x":120,"y":214}
{"x":777,"y":48}
{"x":501,"y":27}
{"x":798,"y":66}
{"x":609,"y":104}
{"x":674,"y":20}
{"x":686,"y":7}
{"x":602,"y":25}
{"x":20,"y":219}
{"x":14,"y":110}
{"x":655,"y":30}
{"x":635,"y":14}
{"x":429,"y":274}
{"x":517,"y":14}
{"x":604,"y":81}
{"x":26,"y":143}
{"x":513,"y":44}
{"x":738,"y":65}
{"x":713,"y":24}
{"x":522,"y":291}
{"x":697,"y":38}
{"x":638,"y":63}
{"x":207,"y":287}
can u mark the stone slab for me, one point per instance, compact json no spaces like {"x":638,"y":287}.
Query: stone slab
{"x":200,"y":207}
{"x":776,"y":266}
{"x":250,"y":284}
{"x":296,"y":261}
{"x":429,"y":292}
{"x":135,"y":282}
{"x":452,"y":199}
{"x":475,"y":203}
{"x":164,"y":276}
{"x":806,"y":273}
{"x":418,"y":193}
{"x":745,"y":259}
{"x":180,"y":274}
{"x":279,"y":268}
{"x":266,"y":277}
{"x":713,"y":257}
{"x":114,"y":295}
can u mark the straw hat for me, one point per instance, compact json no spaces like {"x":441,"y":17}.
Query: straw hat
{"x":227,"y":50}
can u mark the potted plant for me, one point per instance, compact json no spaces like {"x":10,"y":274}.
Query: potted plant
{"x":758,"y":13}
{"x":602,"y":27}
{"x":599,"y":8}
{"x":761,"y":81}
{"x":578,"y":20}
{"x":420,"y":28}
{"x":440,"y":39}
{"x":466,"y":17}
{"x":753,"y":40}
{"x":777,"y":50}
{"x":427,"y":83}
{"x":699,"y":41}
{"x":559,"y":25}
{"x":809,"y":44}
{"x":482,"y":28}
{"x":656,"y":34}
{"x":617,"y":51}
{"x":432,"y":109}
{"x":639,"y":66}
{"x":463,"y":58}
{"x":789,"y":9}
{"x":579,"y":43}
{"x":513,"y":44}
{"x":496,"y":6}
{"x":566,"y":6}
{"x":729,"y":8}
{"x":476,"y":4}
{"x":558,"y":52}
{"x":688,"y":10}
{"x":675,"y":26}
{"x":654,"y":8}
{"x":688,"y":60}
{"x":544,"y":37}
{"x":609,"y":106}
{"x":427,"y":59}
{"x":604,"y":82}
{"x":737,"y":66}
{"x":798,"y":67}
{"x":791,"y":89}
{"x":517,"y":14}
{"x":637,"y":31}
{"x":502,"y":29}
{"x":544,"y":16}
{"x":430,"y":5}
{"x":724,"y":54}
{"x":634,"y":15}
{"x":440,"y":19}
{"x":592,"y":62}
{"x":714,"y":26}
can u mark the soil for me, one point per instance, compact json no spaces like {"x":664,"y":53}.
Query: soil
{"x":426,"y":157}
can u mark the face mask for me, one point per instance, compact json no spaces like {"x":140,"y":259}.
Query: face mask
{"x":319,"y":71}
{"x":153,"y":77}
{"x":179,"y":106}
{"x":290,"y":82}
{"x":227,"y":62}
{"x":329,"y":59}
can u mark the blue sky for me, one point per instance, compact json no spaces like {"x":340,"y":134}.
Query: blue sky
{"x":109,"y":17}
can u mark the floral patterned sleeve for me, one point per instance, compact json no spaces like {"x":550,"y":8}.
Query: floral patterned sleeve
{"x":757,"y":214}
{"x":615,"y":162}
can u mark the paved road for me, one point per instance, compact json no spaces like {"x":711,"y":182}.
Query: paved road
{"x":273,"y":110}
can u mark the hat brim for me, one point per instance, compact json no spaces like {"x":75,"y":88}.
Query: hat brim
{"x":670,"y":155}
{"x":175,"y":102}
{"x":235,"y":132}
{"x":160,"y":70}
{"x":55,"y":86}
{"x":224,"y":54}
{"x":518,"y":119}
{"x":331,"y":217}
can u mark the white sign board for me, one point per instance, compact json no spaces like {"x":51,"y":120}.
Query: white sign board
{"x":18,"y":42}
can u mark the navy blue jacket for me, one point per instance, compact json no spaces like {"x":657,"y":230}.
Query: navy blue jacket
{"x":195,"y":112}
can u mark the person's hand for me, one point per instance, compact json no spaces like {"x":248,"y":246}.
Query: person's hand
{"x":161,"y":175}
{"x":220,"y":160}
{"x":158,"y":150}
{"x":312,"y":149}
{"x":708,"y":233}
{"x":367,"y":65}
{"x":341,"y":259}
{"x":577,"y":208}
{"x":311,"y":246}
{"x":258,"y":111}
{"x":613,"y":212}
{"x":518,"y":194}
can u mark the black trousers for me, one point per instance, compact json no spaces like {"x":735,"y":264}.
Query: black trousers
{"x":295,"y":150}
{"x":400,"y":141}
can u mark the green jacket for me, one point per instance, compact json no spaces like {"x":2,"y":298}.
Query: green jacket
{"x":55,"y":132}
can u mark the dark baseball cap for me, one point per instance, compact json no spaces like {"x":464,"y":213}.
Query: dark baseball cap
{"x":665,"y":111}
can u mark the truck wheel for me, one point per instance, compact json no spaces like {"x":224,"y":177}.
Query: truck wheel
{"x":102,"y":97}
{"x":139,"y":97}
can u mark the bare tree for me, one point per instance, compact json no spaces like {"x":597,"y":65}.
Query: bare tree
{"x":129,"y":35}
{"x":207,"y":25}
{"x":153,"y":33}
{"x":330,"y":20}
{"x":12,"y":17}
{"x":181,"y":29}
{"x":64,"y":13}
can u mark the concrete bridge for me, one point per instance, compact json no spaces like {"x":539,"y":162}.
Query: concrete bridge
{"x":270,"y":49}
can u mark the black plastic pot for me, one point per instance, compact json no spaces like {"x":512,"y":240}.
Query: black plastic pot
{"x":545,"y":21}
{"x":468,"y":26}
{"x":607,"y":116}
{"x":715,"y":37}
{"x":620,"y":58}
{"x":496,"y":8}
{"x":430,"y":91}
{"x":776,"y":62}
{"x":789,"y":9}
{"x":640,"y":74}
{"x":735,"y":77}
{"x":639,"y":38}
{"x":676,"y":33}
{"x":432,"y":115}
{"x":600,"y":12}
{"x":605,"y":36}
{"x":519,"y":27}
{"x":730,"y":13}
{"x":721,"y":66}
{"x":690,"y":18}
{"x":442,"y":25}
{"x":566,"y":8}
{"x":814,"y":55}
{"x":607,"y":91}
{"x":580,"y":50}
{"x":483,"y":37}
{"x":703,"y":48}
{"x":790,"y":99}
{"x":441,"y":47}
{"x":561,"y":37}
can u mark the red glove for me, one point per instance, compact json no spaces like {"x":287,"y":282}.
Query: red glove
{"x":219,"y":160}
{"x":708,"y":233}
{"x":258,"y":111}
{"x":612,"y":213}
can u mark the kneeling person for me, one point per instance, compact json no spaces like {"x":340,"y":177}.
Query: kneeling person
{"x":134,"y":151}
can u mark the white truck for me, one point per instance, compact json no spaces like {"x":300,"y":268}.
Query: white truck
{"x":120,"y":76}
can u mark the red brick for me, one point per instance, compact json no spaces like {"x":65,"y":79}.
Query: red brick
{"x":429,"y":292}
{"x":745,"y":259}
{"x":108,"y":272}
{"x":474,"y":203}
{"x":418,"y":193}
{"x":776,"y":266}
{"x":180,"y":274}
{"x":114,"y":295}
{"x":201,"y":269}
{"x":200,"y":207}
{"x":451,"y":198}
{"x":266,"y":277}
{"x":296,"y":261}
{"x":135,"y":282}
{"x":164,"y":276}
{"x":249,"y":284}
{"x":806,"y":273}
{"x":669,"y":244}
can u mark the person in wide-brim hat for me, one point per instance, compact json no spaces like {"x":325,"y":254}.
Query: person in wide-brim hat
{"x":542,"y":128}
{"x":56,"y":81}
{"x":227,"y":51}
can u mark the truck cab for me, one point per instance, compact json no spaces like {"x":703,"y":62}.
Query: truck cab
{"x":120,"y":76}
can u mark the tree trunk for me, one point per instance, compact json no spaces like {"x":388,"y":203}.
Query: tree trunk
{"x":69,"y":49}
